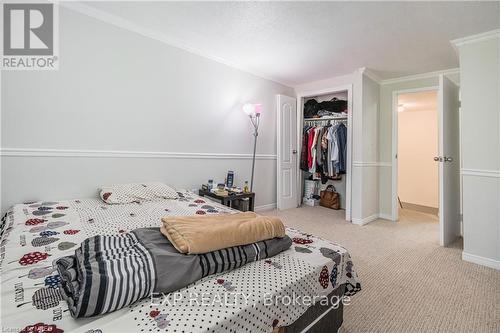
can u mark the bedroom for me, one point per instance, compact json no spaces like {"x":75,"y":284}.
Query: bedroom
{"x":161,"y":92}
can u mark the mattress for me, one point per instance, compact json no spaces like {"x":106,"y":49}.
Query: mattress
{"x":257,"y":297}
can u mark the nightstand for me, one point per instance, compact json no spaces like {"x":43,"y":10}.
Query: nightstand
{"x":228,"y":199}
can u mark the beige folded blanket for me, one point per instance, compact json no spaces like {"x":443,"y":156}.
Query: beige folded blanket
{"x":202,"y":234}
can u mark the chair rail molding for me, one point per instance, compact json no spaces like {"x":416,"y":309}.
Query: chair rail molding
{"x":87,"y":153}
{"x":480,"y":173}
{"x":371,"y":164}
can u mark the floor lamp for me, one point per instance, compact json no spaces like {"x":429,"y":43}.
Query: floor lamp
{"x":253,"y":111}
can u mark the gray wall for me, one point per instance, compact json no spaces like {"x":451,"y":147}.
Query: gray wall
{"x":116,"y":90}
{"x":480,"y":127}
{"x":370,"y":147}
{"x":365,"y":149}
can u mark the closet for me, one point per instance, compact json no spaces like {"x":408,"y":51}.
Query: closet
{"x":324,"y":133}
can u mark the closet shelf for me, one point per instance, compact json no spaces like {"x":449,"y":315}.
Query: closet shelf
{"x":325,"y":118}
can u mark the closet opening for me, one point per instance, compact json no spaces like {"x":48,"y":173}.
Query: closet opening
{"x":417,"y":147}
{"x":325,"y":144}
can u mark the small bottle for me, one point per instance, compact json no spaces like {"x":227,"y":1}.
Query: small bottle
{"x":246,"y":189}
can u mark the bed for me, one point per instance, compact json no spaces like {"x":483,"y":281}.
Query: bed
{"x":261,"y":296}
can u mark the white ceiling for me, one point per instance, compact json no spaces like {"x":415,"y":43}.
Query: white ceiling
{"x":300,"y":42}
{"x":419,"y":101}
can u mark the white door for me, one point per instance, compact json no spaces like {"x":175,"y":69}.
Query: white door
{"x":287,"y":152}
{"x":449,"y":161}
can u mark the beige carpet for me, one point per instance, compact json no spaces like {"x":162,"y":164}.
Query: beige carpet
{"x":409,"y":282}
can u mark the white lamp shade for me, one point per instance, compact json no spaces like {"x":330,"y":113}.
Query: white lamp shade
{"x":249,"y":109}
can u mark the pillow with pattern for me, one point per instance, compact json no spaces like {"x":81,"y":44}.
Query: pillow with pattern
{"x":127,"y":193}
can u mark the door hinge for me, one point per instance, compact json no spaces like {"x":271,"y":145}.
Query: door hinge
{"x":459,"y":104}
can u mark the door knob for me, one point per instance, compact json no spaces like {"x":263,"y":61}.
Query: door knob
{"x":448,"y":159}
{"x":438,"y":159}
{"x":294,"y":151}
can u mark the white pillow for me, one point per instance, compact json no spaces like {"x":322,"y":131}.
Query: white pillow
{"x":127,"y":193}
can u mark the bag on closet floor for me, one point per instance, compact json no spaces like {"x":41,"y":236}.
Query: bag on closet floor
{"x":330,"y":198}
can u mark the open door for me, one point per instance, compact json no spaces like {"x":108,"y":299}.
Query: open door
{"x":449,"y":161}
{"x":287,"y":152}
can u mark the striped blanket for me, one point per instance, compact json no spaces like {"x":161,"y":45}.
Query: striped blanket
{"x":110,"y":272}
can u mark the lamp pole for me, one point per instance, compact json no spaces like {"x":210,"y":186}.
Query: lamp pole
{"x":255,"y":119}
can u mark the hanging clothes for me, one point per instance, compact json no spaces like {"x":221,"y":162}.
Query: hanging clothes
{"x":331,"y":145}
{"x":324,"y":151}
{"x":319,"y":160}
{"x":341,"y":134}
{"x":315,"y":131}
{"x":303,"y":151}
{"x":310,"y":142}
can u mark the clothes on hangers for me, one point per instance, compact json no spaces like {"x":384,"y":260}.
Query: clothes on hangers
{"x":314,"y":151}
{"x":324,"y":150}
{"x":338,"y":142}
{"x":341,"y":135}
{"x":303,"y":151}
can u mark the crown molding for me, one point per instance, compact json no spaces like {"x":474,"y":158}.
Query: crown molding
{"x":421,"y":76}
{"x":371,"y":74}
{"x":476,"y":38}
{"x":77,"y":153}
{"x":125,"y":24}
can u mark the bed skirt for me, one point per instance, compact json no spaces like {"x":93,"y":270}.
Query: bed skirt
{"x":311,"y":322}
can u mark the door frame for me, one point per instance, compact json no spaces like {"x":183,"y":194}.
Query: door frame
{"x":300,"y":121}
{"x":394,"y":158}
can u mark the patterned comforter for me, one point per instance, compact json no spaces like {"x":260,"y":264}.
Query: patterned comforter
{"x":256,"y":297}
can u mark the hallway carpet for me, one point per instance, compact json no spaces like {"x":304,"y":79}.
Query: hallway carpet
{"x":409,"y":282}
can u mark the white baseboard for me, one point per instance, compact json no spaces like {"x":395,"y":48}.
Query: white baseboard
{"x":365,"y":220}
{"x":263,"y":208}
{"x":385,"y":216}
{"x":372,"y":218}
{"x":481,"y":260}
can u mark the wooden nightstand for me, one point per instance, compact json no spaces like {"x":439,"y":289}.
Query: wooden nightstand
{"x":228,"y":199}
